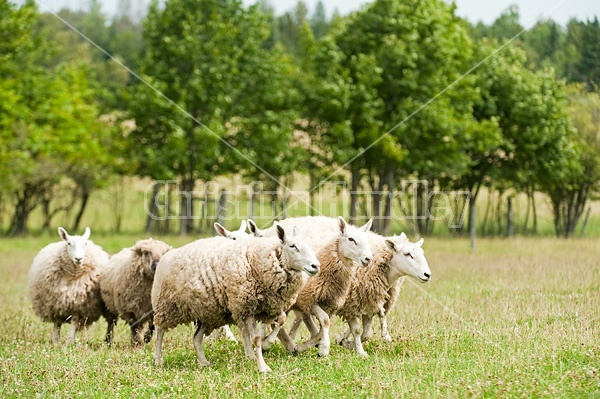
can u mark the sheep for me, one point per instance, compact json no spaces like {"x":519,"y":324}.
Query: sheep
{"x":394,"y":257}
{"x":63,"y":283}
{"x":239,"y":234}
{"x":326,"y":292}
{"x":125,"y":286}
{"x":214,"y":282}
{"x":232,"y":235}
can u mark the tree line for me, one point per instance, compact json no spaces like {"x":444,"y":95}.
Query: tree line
{"x":397,"y":90}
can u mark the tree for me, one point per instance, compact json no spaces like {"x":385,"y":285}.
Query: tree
{"x":50,"y":126}
{"x":574,"y":182}
{"x":203,"y":56}
{"x":417,"y":49}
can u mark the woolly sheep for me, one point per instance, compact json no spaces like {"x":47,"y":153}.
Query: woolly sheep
{"x":214,"y":282}
{"x":239,"y":234}
{"x":63,"y":283}
{"x":326,"y":292}
{"x":394,"y":257}
{"x":126,"y":284}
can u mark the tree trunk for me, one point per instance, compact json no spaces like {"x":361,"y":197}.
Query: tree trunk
{"x":509,"y":217}
{"x":534,"y":212}
{"x":24,"y":206}
{"x":376,"y":204}
{"x":387,"y":213}
{"x":85,"y":196}
{"x":221,"y":207}
{"x":527,"y":211}
{"x":472,"y":216}
{"x":585,"y":222}
{"x":186,"y":215}
{"x":354,"y":194}
{"x":152,"y":209}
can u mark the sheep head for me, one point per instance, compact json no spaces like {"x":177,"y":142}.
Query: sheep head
{"x":353,"y":244}
{"x":150,"y":251}
{"x":75,"y":244}
{"x":232,"y":235}
{"x":300,"y":255}
{"x":408,"y":259}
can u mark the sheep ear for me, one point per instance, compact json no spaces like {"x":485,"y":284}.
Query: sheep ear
{"x":86,"y":234}
{"x":280,"y":233}
{"x":367,"y":226}
{"x":420,"y":242}
{"x":242,"y":228}
{"x":62,"y":233}
{"x":390,"y":244}
{"x":342,"y":224}
{"x":222,"y":231}
{"x":403,"y":236}
{"x":296,"y":231}
{"x":253,"y":227}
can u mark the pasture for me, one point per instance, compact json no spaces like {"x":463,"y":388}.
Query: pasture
{"x":519,"y":318}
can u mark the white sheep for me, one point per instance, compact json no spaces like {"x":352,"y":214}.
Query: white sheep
{"x":63,"y":283}
{"x":214,"y":282}
{"x":325,"y":293}
{"x":126,"y":284}
{"x":232,"y":235}
{"x":394,"y":257}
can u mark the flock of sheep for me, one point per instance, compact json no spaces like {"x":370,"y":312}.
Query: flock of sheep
{"x":315,"y":267}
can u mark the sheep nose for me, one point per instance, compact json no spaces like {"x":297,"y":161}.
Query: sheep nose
{"x":427,"y":275}
{"x":78,"y":260}
{"x":315,"y":267}
{"x":367,"y":259}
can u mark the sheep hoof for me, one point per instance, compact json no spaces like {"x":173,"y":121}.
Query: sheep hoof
{"x":265,"y":369}
{"x":387,"y":338}
{"x":158,"y":363}
{"x":363,"y":354}
{"x":295,"y":351}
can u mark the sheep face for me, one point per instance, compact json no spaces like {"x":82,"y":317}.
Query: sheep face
{"x":300,"y":255}
{"x":232,"y":235}
{"x":353,"y":243}
{"x":409,"y":259}
{"x":150,"y":252}
{"x":75,"y":245}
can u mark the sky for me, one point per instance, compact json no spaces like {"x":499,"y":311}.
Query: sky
{"x":474,"y":10}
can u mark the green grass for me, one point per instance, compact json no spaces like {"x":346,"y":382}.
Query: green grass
{"x":520,"y":318}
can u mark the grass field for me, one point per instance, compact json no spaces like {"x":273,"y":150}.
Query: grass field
{"x":520,"y":318}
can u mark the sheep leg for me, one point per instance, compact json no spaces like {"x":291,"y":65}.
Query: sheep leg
{"x":287,"y":342}
{"x":56,"y":334}
{"x":136,"y":339}
{"x":149,"y":332}
{"x":228,"y":334}
{"x":275,"y":327}
{"x":310,"y":324}
{"x":158,"y":359}
{"x":343,"y":337}
{"x":384,"y":328}
{"x":323,"y":318}
{"x":315,"y":338}
{"x":367,"y":328}
{"x":296,"y":324}
{"x":257,"y":341}
{"x":198,"y":336}
{"x":110,"y":326}
{"x":355,"y":329}
{"x":248,"y":351}
{"x":73,"y":330}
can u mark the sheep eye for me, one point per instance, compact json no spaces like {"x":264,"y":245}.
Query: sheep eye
{"x":352,"y":240}
{"x":411,"y":255}
{"x":69,"y":243}
{"x":233,"y":238}
{"x":293,"y":246}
